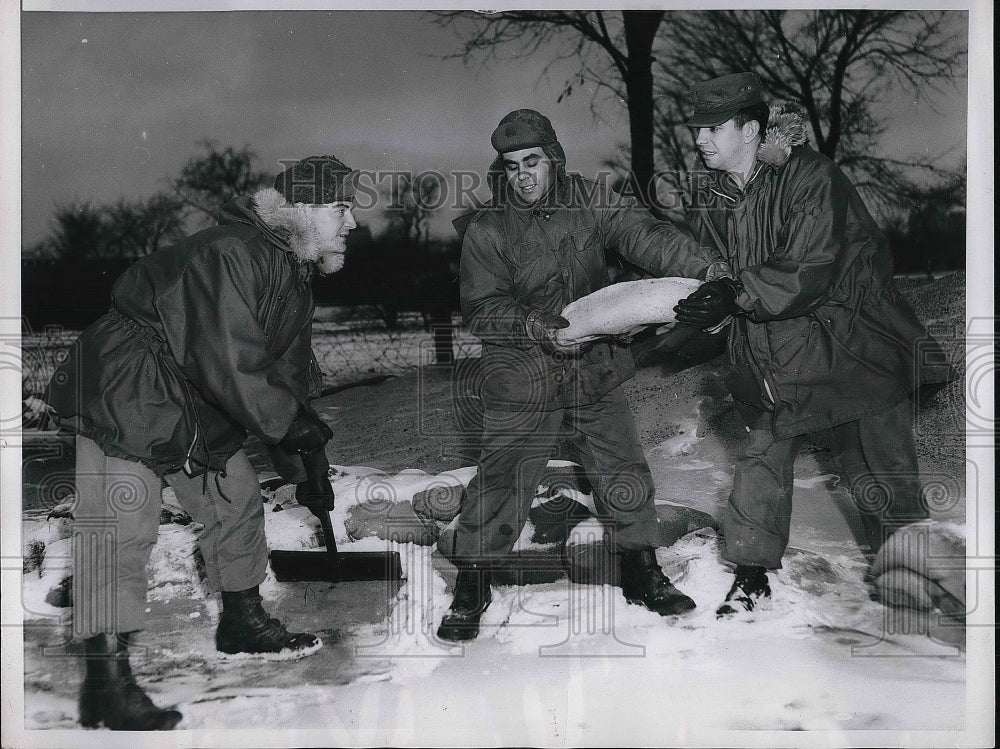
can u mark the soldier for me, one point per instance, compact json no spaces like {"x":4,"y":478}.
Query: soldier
{"x":820,"y":335}
{"x":540,"y":245}
{"x":205,"y":342}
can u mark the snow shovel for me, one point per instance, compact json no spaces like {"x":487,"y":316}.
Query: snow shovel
{"x":330,"y":565}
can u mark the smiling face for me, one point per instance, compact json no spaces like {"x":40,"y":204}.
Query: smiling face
{"x":333,"y":222}
{"x":529,"y":172}
{"x":728,"y":148}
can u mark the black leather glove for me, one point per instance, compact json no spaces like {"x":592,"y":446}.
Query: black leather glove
{"x":709,"y":304}
{"x":542,"y":327}
{"x":315,"y":492}
{"x":307,"y":432}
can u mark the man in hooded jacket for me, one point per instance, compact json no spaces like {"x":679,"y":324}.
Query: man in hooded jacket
{"x":820,"y":336}
{"x":205,"y":342}
{"x":540,"y":245}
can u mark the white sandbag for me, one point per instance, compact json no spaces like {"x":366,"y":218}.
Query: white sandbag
{"x":623,"y":307}
{"x":922,"y":565}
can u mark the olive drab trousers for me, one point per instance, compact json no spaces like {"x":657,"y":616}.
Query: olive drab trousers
{"x":878,"y":459}
{"x":516,"y":448}
{"x":116,"y":521}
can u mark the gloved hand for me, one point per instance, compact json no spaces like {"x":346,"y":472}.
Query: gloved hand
{"x":307,"y":432}
{"x":541,"y":327}
{"x":709,"y":304}
{"x":315,"y":492}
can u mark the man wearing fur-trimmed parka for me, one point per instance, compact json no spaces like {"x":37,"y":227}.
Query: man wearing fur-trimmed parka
{"x":205,"y":342}
{"x":820,"y":337}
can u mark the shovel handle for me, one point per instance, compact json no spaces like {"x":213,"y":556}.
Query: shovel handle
{"x":330,"y":541}
{"x":315,"y":461}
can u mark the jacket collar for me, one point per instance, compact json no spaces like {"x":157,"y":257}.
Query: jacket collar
{"x":786,"y":129}
{"x":560,"y":197}
{"x":553,"y":200}
{"x":289,"y":224}
{"x":286,"y":226}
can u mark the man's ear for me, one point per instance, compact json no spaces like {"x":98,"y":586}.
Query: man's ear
{"x":751,"y":129}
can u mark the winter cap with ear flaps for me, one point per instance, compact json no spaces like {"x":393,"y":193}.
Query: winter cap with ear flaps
{"x":719,"y":99}
{"x":523,"y":128}
{"x":317,"y":179}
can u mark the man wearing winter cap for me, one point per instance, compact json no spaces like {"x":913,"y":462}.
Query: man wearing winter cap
{"x":206,"y":342}
{"x":820,"y":337}
{"x":540,"y":245}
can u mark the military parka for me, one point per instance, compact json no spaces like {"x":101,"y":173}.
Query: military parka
{"x":205,"y":341}
{"x":516,"y":259}
{"x":825,"y":336}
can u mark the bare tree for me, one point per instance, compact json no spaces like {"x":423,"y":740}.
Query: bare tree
{"x":840,"y":65}
{"x":79,"y":231}
{"x":208,"y":181}
{"x":614,"y":50}
{"x":138,"y":228}
{"x":412,"y":199}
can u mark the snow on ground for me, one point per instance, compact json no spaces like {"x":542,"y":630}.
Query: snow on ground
{"x":556,"y":663}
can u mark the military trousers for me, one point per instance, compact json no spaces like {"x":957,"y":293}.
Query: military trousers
{"x":516,"y":448}
{"x":878,"y":460}
{"x":116,"y":523}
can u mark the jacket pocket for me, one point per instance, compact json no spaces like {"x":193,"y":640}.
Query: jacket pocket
{"x":583,"y":239}
{"x":789,"y":340}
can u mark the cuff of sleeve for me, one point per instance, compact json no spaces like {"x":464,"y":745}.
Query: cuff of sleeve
{"x":743,"y":301}
{"x":719,"y":269}
{"x":529,"y":324}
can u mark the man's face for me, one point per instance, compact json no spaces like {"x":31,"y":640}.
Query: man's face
{"x":333,"y":222}
{"x":726,"y":146}
{"x":529,"y":172}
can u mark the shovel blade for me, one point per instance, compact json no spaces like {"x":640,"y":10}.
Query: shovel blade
{"x":291,"y":566}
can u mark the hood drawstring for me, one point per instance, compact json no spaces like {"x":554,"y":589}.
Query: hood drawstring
{"x":192,"y":464}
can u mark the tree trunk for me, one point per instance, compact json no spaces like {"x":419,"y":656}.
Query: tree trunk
{"x":640,"y":32}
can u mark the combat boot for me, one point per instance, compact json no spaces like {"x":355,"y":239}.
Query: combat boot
{"x":472,"y":598}
{"x":244,"y":627}
{"x":643,"y":582}
{"x":110,"y":695}
{"x":749,"y":588}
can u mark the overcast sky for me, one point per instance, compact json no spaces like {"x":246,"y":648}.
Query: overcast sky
{"x":114,"y":103}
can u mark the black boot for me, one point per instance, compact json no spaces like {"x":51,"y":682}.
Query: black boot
{"x":109,"y":694}
{"x":472,"y":597}
{"x":643,"y":582}
{"x":749,"y":588}
{"x":244,"y":627}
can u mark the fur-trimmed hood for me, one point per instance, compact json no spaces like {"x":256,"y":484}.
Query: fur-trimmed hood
{"x":786,"y":129}
{"x":289,"y":222}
